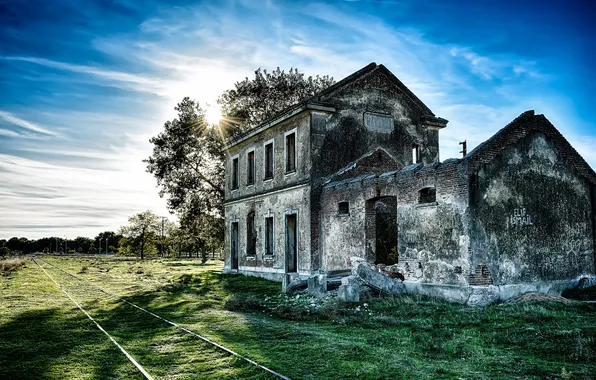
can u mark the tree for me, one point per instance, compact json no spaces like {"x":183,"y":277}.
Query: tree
{"x":188,"y":155}
{"x":256,"y":100}
{"x":141,"y":233}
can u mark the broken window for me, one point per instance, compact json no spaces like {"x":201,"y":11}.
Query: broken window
{"x":234,"y":183}
{"x":250,"y":168}
{"x":415,"y":154}
{"x":291,"y":152}
{"x":269,"y":236}
{"x":427,"y":195}
{"x":269,"y":161}
{"x":251,"y":235}
{"x":343,"y":208}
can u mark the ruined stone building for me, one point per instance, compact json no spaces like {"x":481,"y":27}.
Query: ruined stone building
{"x":354,"y":172}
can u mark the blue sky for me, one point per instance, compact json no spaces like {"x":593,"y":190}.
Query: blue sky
{"x":85,"y":84}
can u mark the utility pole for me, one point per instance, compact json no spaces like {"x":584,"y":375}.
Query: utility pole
{"x":107,"y":238}
{"x":65,"y":244}
{"x":99,"y":246}
{"x":161,"y":245}
{"x":464,"y":146}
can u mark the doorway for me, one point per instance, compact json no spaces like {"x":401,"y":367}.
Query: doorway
{"x":291,"y":243}
{"x":234,"y":245}
{"x":381,"y":230}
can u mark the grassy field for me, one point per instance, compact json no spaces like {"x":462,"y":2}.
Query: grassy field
{"x":44,"y":335}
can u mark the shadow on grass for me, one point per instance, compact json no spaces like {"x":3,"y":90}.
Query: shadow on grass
{"x":48,"y":343}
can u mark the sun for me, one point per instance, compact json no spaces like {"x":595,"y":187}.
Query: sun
{"x":213,"y":114}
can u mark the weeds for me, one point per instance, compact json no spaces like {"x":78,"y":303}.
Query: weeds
{"x":12,"y":264}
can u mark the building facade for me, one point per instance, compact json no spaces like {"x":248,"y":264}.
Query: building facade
{"x":354,"y":172}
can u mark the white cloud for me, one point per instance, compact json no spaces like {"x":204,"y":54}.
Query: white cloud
{"x":9,"y":117}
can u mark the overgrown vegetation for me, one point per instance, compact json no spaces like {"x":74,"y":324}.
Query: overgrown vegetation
{"x":299,"y":336}
{"x":12,"y":264}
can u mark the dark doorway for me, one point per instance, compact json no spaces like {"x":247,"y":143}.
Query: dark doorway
{"x":381,"y":230}
{"x":234,"y":245}
{"x":291,"y":243}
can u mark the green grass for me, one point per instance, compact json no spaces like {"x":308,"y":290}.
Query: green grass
{"x":42,"y":334}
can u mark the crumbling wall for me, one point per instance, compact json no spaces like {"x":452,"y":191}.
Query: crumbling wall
{"x":433,"y":238}
{"x":346,"y":138}
{"x":531,"y":215}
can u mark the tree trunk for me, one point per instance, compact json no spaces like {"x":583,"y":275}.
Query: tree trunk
{"x":142,"y":245}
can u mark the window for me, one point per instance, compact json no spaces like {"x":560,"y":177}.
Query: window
{"x":415,"y":154}
{"x":427,"y":195}
{"x":234,"y":173}
{"x":269,"y":161}
{"x":291,"y":152}
{"x":378,"y":123}
{"x":269,"y":236}
{"x":343,"y":208}
{"x":250,"y":168}
{"x":251,"y":235}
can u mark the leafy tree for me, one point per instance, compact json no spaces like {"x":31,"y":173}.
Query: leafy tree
{"x":188,"y":155}
{"x":4,"y":251}
{"x":258,"y":99}
{"x":140,"y":234}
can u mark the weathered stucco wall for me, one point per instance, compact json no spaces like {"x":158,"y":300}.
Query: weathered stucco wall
{"x":301,"y":123}
{"x":277,"y":205}
{"x":432,"y":238}
{"x":531,"y":215}
{"x":346,"y":138}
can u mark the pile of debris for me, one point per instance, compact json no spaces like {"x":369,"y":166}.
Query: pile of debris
{"x":364,"y":278}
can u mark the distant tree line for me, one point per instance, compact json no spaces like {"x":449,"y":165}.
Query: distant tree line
{"x":105,"y":242}
{"x":146,"y":234}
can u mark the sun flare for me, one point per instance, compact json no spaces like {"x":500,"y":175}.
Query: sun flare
{"x":213,"y":114}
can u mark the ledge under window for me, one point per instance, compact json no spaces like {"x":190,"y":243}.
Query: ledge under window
{"x":268,"y":257}
{"x":427,"y":204}
{"x":251,"y":257}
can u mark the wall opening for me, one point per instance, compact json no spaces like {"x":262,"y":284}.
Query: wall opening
{"x":415,"y":154}
{"x":234,"y":246}
{"x":291,"y":243}
{"x":343,"y":208}
{"x":251,"y":235}
{"x":427,"y":195}
{"x":291,"y":152}
{"x":381,"y":230}
{"x":269,"y":236}
{"x":269,"y":161}
{"x":250,"y":168}
{"x":234,"y":183}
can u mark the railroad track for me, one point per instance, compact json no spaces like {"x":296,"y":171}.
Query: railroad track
{"x":88,"y":287}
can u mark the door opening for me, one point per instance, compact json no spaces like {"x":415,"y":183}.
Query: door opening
{"x":291,"y":244}
{"x":234,"y":246}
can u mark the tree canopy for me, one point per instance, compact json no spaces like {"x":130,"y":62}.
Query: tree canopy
{"x":188,"y":155}
{"x":253,"y":101}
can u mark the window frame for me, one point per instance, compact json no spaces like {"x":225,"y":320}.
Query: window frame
{"x":248,"y":168}
{"x":250,"y":235}
{"x":286,"y":134}
{"x":266,"y":241}
{"x":235,"y":174}
{"x":339,"y":208}
{"x":265,"y":144}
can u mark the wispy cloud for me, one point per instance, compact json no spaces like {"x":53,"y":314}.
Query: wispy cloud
{"x":25,"y":124}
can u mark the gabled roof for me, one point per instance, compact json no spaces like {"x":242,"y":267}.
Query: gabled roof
{"x":519,"y":128}
{"x":319,"y":101}
{"x":363,"y":165}
{"x":365,"y":71}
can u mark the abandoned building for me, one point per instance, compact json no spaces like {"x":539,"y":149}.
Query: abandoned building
{"x":354,"y":173}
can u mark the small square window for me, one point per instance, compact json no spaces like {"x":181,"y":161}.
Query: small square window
{"x":427,"y":195}
{"x":343,"y":208}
